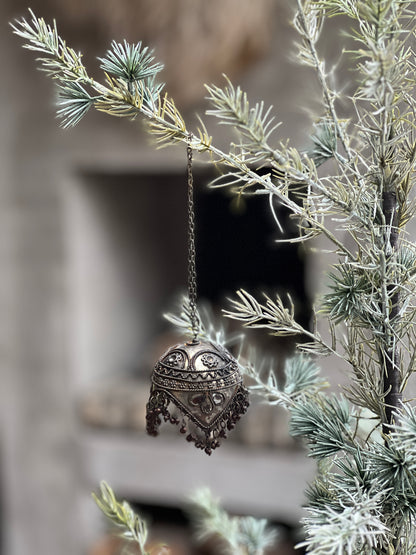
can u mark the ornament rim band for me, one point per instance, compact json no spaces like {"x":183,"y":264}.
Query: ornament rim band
{"x":239,"y":390}
{"x":158,"y":408}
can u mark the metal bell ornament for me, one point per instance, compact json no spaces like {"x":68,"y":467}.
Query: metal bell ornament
{"x":196,"y":385}
{"x":203,"y":383}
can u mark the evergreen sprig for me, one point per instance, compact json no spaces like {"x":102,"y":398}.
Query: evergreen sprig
{"x":321,"y":493}
{"x":277,"y":318}
{"x":356,"y":529}
{"x":404,"y":435}
{"x":130,"y":62}
{"x":73,"y":103}
{"x":302,"y":376}
{"x":254,"y":123}
{"x":132,"y":526}
{"x":325,"y":424}
{"x":257,"y":535}
{"x":324,"y":141}
{"x":302,"y":379}
{"x":210,"y":519}
{"x":272,"y":315}
{"x":356,"y":472}
{"x":58,"y":59}
{"x":393,"y":466}
{"x":351,"y":295}
{"x":366,"y":388}
{"x":235,"y":535}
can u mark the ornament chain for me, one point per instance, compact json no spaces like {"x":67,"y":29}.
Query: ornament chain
{"x":192,"y":290}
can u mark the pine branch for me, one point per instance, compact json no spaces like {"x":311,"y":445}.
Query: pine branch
{"x":393,"y":466}
{"x":308,"y":23}
{"x":61,"y":62}
{"x":366,"y":387}
{"x":231,"y":107}
{"x":302,"y":380}
{"x":130,"y":62}
{"x":132,"y":527}
{"x":324,"y":142}
{"x":357,"y":528}
{"x":123,"y":98}
{"x":274,"y":316}
{"x":209,"y":519}
{"x":302,"y":377}
{"x":325,"y":424}
{"x":404,"y":434}
{"x":235,"y":535}
{"x":255,"y":124}
{"x":73,"y":103}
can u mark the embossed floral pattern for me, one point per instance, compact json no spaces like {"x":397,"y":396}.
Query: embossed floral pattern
{"x":209,"y":360}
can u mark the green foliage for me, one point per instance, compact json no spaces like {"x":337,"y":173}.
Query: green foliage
{"x":302,"y":376}
{"x":73,"y":103}
{"x":235,"y":535}
{"x":130,"y":62}
{"x":302,"y":379}
{"x":58,"y":60}
{"x":278,"y":319}
{"x":355,"y":472}
{"x":357,"y":526}
{"x":210,"y":519}
{"x":324,"y":421}
{"x":324,"y":141}
{"x":351,"y":292}
{"x":254,"y":124}
{"x":404,"y":435}
{"x":392,"y":466}
{"x":256,"y":535}
{"x":120,"y":514}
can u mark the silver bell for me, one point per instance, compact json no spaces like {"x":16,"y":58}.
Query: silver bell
{"x":204,"y":384}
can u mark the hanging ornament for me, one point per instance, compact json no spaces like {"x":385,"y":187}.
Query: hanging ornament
{"x":196,"y":385}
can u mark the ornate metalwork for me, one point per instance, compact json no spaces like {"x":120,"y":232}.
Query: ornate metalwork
{"x":200,"y":379}
{"x":203,"y":383}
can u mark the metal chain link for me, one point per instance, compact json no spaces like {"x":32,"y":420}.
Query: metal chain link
{"x":192,"y":290}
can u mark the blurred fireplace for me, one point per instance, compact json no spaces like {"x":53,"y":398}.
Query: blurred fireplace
{"x":128,"y":250}
{"x":127,"y":235}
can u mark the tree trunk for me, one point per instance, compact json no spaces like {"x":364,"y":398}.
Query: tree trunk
{"x":390,"y":356}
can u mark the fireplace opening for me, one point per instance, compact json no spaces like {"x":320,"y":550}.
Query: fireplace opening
{"x":128,"y":245}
